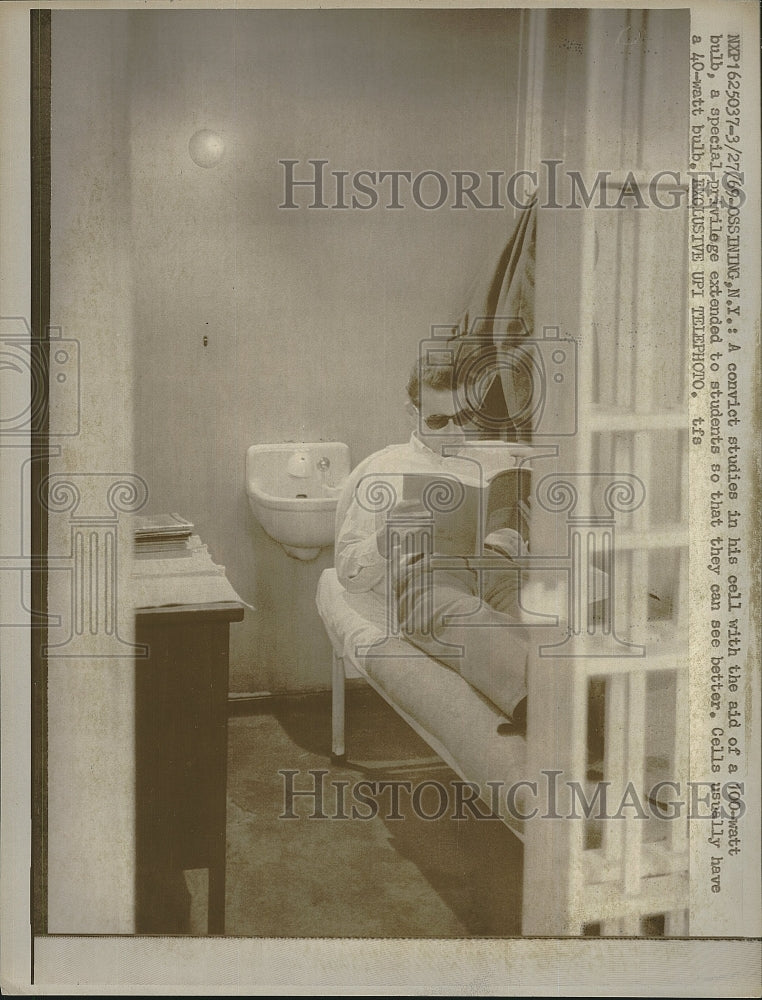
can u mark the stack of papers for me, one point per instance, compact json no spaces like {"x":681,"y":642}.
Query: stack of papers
{"x":166,"y":591}
{"x":161,"y":579}
{"x":161,"y":533}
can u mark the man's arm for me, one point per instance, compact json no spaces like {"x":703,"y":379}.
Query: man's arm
{"x":359,"y":563}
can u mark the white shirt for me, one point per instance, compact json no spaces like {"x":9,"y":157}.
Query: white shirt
{"x":359,"y":563}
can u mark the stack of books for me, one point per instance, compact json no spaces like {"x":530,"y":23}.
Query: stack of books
{"x":172,"y":566}
{"x":165,"y":535}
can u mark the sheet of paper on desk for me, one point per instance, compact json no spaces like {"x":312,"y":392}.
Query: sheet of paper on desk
{"x":162,"y":591}
{"x":165,"y":581}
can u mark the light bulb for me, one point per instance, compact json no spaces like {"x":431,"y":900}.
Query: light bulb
{"x":206,"y":148}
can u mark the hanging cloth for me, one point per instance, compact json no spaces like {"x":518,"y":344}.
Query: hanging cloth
{"x":494,"y":329}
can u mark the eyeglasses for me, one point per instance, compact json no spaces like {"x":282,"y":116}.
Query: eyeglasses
{"x":438,"y":421}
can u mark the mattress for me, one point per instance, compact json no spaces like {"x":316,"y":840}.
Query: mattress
{"x":440,"y":704}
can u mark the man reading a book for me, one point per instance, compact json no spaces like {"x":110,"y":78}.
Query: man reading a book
{"x":466,"y":619}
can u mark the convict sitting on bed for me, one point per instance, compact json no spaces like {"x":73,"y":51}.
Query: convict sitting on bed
{"x":490,"y":651}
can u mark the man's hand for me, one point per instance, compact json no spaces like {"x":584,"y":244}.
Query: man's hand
{"x":407,"y":512}
{"x":508,"y":542}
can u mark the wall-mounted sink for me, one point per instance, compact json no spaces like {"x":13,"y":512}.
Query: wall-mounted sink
{"x":293,"y":489}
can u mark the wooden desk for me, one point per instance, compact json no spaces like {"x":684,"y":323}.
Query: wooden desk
{"x":181,"y":761}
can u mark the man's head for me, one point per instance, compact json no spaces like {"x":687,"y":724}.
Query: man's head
{"x":441,"y":415}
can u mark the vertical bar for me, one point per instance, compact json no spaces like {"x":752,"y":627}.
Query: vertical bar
{"x":576,"y":576}
{"x":679,"y":827}
{"x":639,"y":585}
{"x":678,"y":831}
{"x":632,"y":89}
{"x":624,"y":297}
{"x":621,"y":565}
{"x":607,"y":565}
{"x":39,"y":467}
{"x":109,"y":595}
{"x":522,"y":88}
{"x":424,"y":585}
{"x":219,"y":641}
{"x":607,"y":275}
{"x":676,"y":923}
{"x":553,"y":872}
{"x":622,"y":460}
{"x":589,"y":309}
{"x":216,"y":898}
{"x":607,"y":90}
{"x":637,"y":609}
{"x":680,"y":612}
{"x":392,"y":574}
{"x":635,"y":770}
{"x":577,"y":766}
{"x":614,"y":761}
{"x":93,"y":576}
{"x":645,"y":365}
{"x":629,"y":926}
{"x":78,"y":604}
{"x":338,"y":707}
{"x":535,"y":49}
{"x":590,"y":588}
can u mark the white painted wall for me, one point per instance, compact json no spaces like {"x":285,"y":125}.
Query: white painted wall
{"x":313,"y":317}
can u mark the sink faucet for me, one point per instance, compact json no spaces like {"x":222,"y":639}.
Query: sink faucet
{"x":324,"y":464}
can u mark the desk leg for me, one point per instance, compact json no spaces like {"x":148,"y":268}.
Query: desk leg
{"x":218,"y":845}
{"x":181,"y":765}
{"x":216,"y":912}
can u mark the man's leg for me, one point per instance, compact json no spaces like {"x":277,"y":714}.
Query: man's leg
{"x":494,"y":644}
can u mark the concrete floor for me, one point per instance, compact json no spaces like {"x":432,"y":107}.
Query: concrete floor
{"x":380,"y":877}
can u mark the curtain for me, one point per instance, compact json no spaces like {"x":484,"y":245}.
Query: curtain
{"x":495,"y":330}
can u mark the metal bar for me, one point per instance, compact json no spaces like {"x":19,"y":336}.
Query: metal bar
{"x":338,"y":708}
{"x":634,"y":772}
{"x":614,"y":764}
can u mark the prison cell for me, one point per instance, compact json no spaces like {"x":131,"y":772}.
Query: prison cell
{"x":608,"y":706}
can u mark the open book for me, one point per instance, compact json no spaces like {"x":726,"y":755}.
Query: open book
{"x":476,"y":498}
